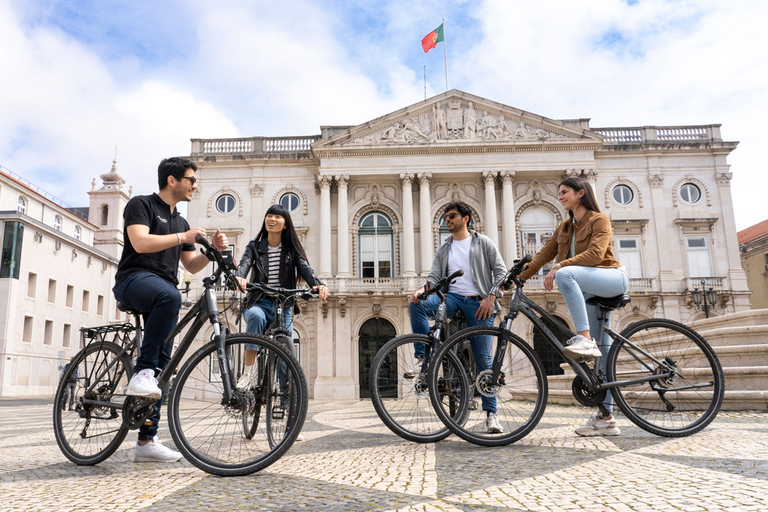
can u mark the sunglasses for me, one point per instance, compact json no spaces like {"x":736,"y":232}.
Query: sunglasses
{"x":451,"y":216}
{"x":192,"y":179}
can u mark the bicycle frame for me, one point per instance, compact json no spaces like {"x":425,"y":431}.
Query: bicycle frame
{"x":522,"y":304}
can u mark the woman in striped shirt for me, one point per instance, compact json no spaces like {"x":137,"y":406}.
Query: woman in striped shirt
{"x":275,"y":258}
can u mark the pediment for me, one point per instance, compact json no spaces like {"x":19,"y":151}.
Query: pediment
{"x":456,"y":117}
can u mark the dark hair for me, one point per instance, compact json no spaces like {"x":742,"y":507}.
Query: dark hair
{"x":588,"y":200}
{"x":176,"y":167}
{"x":288,"y":238}
{"x":461,"y":207}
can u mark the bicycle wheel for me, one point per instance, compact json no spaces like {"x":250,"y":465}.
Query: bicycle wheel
{"x":519,"y":395}
{"x":674,"y":406}
{"x":209,"y":432}
{"x":403,"y":403}
{"x":91,"y":433}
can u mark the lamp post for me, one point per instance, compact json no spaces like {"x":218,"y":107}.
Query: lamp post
{"x":704,"y":299}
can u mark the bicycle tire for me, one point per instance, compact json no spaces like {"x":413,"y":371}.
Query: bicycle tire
{"x":252,"y":413}
{"x":280,"y":401}
{"x":520,"y":399}
{"x":209,"y":432}
{"x":91,"y":434}
{"x":667,"y":412}
{"x":402,"y":403}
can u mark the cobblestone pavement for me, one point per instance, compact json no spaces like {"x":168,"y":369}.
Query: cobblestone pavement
{"x":350,"y":461}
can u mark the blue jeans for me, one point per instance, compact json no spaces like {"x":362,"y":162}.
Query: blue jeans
{"x":261,"y":314}
{"x":481,"y":345}
{"x":577,"y":284}
{"x":160,"y":302}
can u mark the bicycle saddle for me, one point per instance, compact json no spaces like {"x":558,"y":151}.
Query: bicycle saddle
{"x":609,"y":303}
{"x":126,"y":309}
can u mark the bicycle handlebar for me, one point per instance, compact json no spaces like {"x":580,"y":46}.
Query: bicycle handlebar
{"x":306,"y":293}
{"x":516,"y":269}
{"x":441,"y":285}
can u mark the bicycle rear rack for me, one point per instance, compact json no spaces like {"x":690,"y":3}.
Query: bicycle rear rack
{"x":115,"y":333}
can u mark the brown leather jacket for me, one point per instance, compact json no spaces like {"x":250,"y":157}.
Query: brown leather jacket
{"x":593,"y":245}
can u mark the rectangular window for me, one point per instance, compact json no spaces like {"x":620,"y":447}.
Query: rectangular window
{"x":52,"y":291}
{"x":86,"y":300}
{"x":67,"y":336}
{"x":70,"y":295}
{"x":32,"y":285}
{"x":699,"y":260}
{"x":12,"y":241}
{"x":48,"y":335}
{"x":100,"y":305}
{"x":628,"y":254}
{"x":27,"y":334}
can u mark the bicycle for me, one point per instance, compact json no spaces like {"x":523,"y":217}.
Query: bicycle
{"x":270,"y":387}
{"x":399,"y":390}
{"x":205,"y":410}
{"x":663,"y":375}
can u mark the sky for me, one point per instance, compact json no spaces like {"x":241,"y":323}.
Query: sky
{"x":84,"y":80}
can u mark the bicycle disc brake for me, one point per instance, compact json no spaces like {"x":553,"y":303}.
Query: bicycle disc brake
{"x":136,"y":410}
{"x":584,"y":396}
{"x":484,"y":383}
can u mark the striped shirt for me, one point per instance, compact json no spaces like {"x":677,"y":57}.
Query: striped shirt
{"x":274,"y":265}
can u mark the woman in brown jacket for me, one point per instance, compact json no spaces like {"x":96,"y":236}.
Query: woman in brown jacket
{"x":585,"y":268}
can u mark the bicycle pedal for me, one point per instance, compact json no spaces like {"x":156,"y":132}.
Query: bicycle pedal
{"x":278,"y":413}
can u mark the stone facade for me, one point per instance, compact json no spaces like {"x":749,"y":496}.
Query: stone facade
{"x":57,"y":274}
{"x":753,"y":243}
{"x":367,"y":201}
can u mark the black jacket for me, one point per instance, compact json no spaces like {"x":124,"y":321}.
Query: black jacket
{"x":256,"y":261}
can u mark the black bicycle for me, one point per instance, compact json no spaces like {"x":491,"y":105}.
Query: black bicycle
{"x":662,"y":374}
{"x":205,"y":410}
{"x":269,"y":387}
{"x":398,"y":380}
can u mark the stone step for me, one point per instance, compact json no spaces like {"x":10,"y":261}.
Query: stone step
{"x":743,"y":355}
{"x":753,"y":317}
{"x":732,"y":335}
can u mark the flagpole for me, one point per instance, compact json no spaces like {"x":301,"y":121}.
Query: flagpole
{"x":445,"y":55}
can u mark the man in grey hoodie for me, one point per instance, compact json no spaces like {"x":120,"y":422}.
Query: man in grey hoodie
{"x":481,"y":262}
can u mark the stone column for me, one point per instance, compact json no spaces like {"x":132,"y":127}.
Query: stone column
{"x":736,"y":276}
{"x":425,"y":222}
{"x":408,"y":256}
{"x":508,"y":218}
{"x":343,"y":227}
{"x":324,"y":182}
{"x":492,"y":223}
{"x":669,"y":280}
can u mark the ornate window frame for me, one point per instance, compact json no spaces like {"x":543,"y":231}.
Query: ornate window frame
{"x":215,"y":197}
{"x":302,"y":197}
{"x":610,"y":201}
{"x":397,"y":229}
{"x":690,"y":179}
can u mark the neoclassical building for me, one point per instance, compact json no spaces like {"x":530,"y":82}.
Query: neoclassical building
{"x":368,"y":200}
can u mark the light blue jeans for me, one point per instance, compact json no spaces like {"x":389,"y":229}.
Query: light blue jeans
{"x":577,"y":284}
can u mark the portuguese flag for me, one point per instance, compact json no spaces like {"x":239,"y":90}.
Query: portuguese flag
{"x":431,"y":39}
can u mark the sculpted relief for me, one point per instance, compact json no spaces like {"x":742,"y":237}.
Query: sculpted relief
{"x":456,"y":120}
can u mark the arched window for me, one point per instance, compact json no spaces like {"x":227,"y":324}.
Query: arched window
{"x":622,"y":194}
{"x":536,"y":227}
{"x":225,"y":203}
{"x":690,"y":193}
{"x":104,"y":214}
{"x":57,"y":223}
{"x":289,"y":201}
{"x":22,"y":205}
{"x":78,"y":233}
{"x":376,"y":245}
{"x":374,"y":333}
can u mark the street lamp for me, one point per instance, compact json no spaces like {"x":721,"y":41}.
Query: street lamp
{"x":704,"y":299}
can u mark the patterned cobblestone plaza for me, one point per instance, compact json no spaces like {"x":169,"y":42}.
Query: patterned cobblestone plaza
{"x":351,"y":462}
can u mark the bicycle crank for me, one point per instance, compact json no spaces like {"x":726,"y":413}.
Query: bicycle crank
{"x":584,"y":395}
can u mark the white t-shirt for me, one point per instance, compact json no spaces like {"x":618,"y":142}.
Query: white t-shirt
{"x":458,"y":258}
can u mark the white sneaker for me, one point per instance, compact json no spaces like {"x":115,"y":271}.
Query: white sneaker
{"x":415,"y":370}
{"x":155,"y":451}
{"x":492,"y":425}
{"x":144,"y":384}
{"x":300,"y":437}
{"x":579,"y":346}
{"x":596,"y":426}
{"x":244,"y":382}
